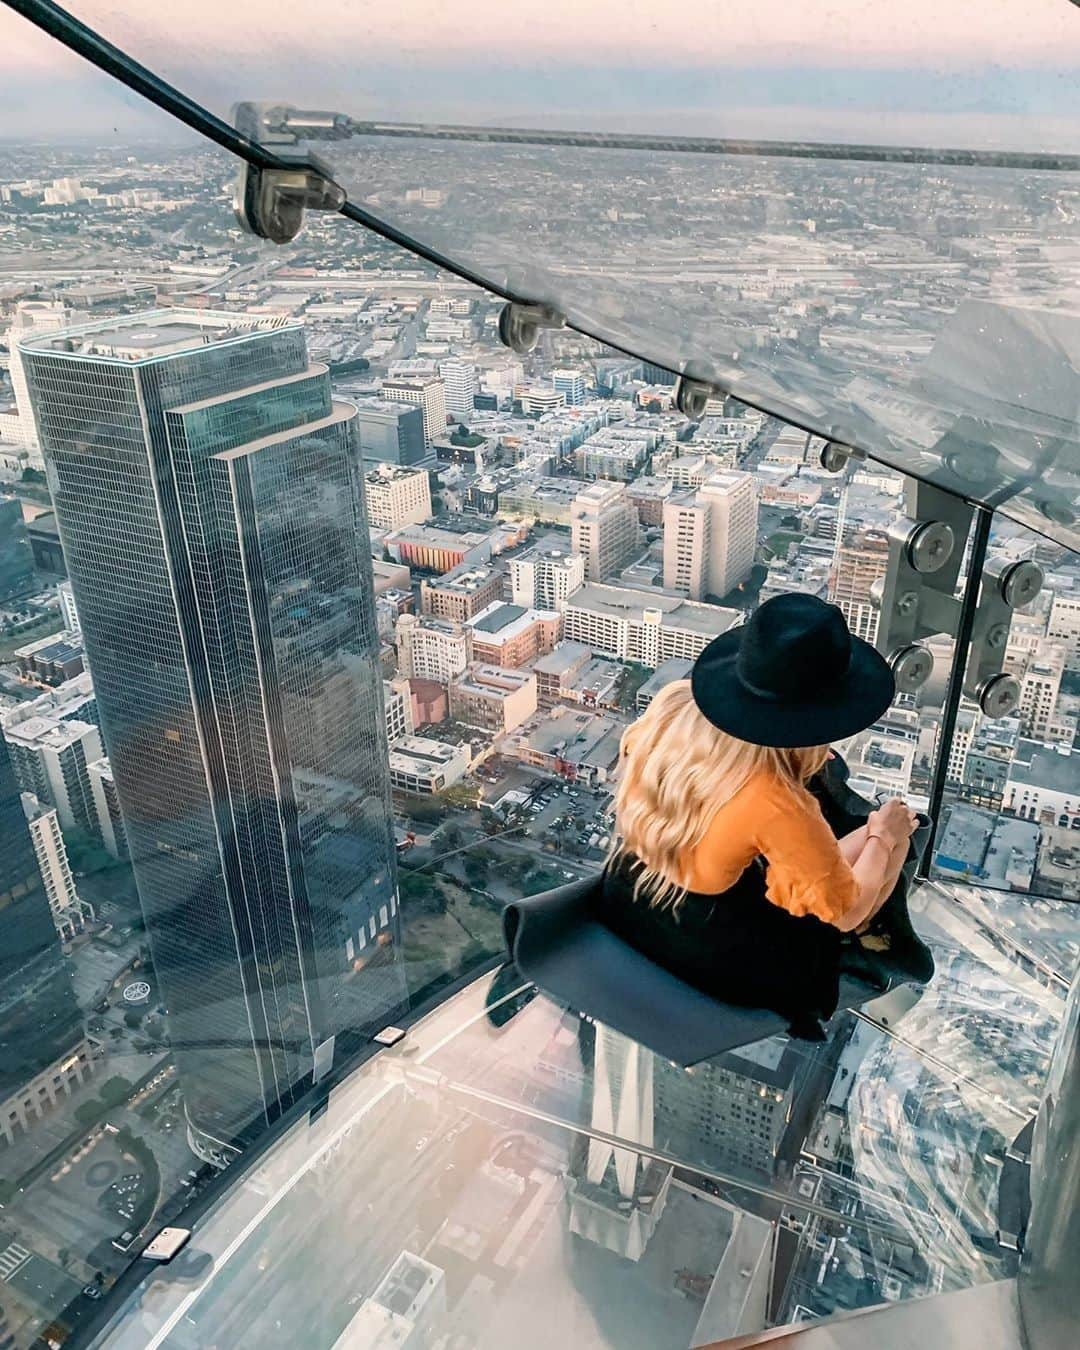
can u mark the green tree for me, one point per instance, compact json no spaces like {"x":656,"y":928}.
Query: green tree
{"x":115,"y":1090}
{"x":88,"y":1113}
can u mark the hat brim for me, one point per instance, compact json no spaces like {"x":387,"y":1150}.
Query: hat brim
{"x":815,"y":718}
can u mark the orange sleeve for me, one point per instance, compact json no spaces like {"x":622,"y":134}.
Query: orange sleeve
{"x":807,"y":873}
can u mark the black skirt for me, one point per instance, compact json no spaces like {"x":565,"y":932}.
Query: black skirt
{"x":736,"y":946}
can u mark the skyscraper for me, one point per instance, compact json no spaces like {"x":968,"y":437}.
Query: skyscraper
{"x":390,"y":432}
{"x":428,"y":393}
{"x":460,"y":379}
{"x":207,"y":489}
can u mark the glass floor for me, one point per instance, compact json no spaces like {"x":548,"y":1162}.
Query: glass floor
{"x":511,"y":1175}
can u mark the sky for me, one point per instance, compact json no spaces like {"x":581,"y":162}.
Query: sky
{"x":944,"y":72}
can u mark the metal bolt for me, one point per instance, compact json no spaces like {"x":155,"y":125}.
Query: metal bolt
{"x":1021,"y":583}
{"x":930,"y":546}
{"x":907,"y":603}
{"x":999,"y":696}
{"x":997,"y":636}
{"x":911,"y":667}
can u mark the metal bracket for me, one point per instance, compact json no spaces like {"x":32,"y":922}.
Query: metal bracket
{"x":520,"y":324}
{"x":270,"y":201}
{"x":916,"y":596}
{"x":692,"y":395}
{"x":917,"y":599}
{"x":1005,"y":587}
{"x":835,"y":456}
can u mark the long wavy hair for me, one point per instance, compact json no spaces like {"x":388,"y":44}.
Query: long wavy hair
{"x":676,"y":771}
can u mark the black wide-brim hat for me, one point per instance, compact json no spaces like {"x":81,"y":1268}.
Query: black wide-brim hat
{"x":792,"y":675}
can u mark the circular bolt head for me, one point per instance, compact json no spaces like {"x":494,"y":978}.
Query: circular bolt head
{"x":997,"y":636}
{"x":930,"y":546}
{"x":1021,"y":583}
{"x":834,"y":457}
{"x":999,"y":696}
{"x":911,"y":667}
{"x":691,"y":397}
{"x":515,"y":331}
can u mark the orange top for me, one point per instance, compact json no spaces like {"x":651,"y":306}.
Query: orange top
{"x":806,"y":874}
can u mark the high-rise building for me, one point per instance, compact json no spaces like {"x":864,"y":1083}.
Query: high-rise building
{"x":16,"y":556}
{"x":39,"y":1018}
{"x":543,"y":577}
{"x":710,"y":536}
{"x":460,"y":380}
{"x":397,"y":496}
{"x":1040,"y":689}
{"x":604,"y":528}
{"x":1063,"y":623}
{"x":859,"y":562}
{"x":206,"y":485}
{"x":51,"y":759}
{"x":110,"y":818}
{"x":392,"y":432}
{"x":428,"y":393}
{"x":69,"y":912}
{"x":571,"y":384}
{"x":67,"y":607}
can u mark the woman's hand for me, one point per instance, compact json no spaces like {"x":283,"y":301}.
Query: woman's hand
{"x":893,"y":821}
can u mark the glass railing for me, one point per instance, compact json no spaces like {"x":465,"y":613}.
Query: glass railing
{"x":322,"y":613}
{"x":851,"y":278}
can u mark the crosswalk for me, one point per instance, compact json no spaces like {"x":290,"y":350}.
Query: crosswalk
{"x":12,"y":1257}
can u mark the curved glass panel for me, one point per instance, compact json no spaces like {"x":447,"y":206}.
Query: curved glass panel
{"x":890,"y":298}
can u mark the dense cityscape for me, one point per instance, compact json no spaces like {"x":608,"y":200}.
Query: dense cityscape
{"x":321,"y":616}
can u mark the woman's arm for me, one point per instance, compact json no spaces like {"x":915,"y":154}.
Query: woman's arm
{"x":878,"y":863}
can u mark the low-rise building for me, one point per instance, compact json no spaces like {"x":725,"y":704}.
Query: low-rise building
{"x":580,"y":746}
{"x":424,"y":766}
{"x":493,"y":698}
{"x":510,"y":635}
{"x":1043,"y":785}
{"x":463,"y":592}
{"x":667,"y":672}
{"x":642,"y":626}
{"x":432,"y":649}
{"x":436,"y":549}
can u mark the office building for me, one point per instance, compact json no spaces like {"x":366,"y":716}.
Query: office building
{"x":40,"y":1024}
{"x":16,"y":556}
{"x":536,"y":400}
{"x":45,"y":544}
{"x":710,"y":536}
{"x":436,"y":549}
{"x":545,"y":499}
{"x":51,"y":760}
{"x":69,"y":914}
{"x":1040,"y":689}
{"x":71,"y":701}
{"x":67,"y":608}
{"x":459,"y":377}
{"x":432,"y":649}
{"x":545,"y":575}
{"x":859,"y":562}
{"x":604,"y":529}
{"x":462,"y":592}
{"x":607,"y":454}
{"x":1063,"y":622}
{"x":392,"y":432}
{"x":110,"y":819}
{"x":648,"y":494}
{"x":397,"y":701}
{"x":397,"y":496}
{"x":51,"y":660}
{"x":424,"y":766}
{"x":631,"y":625}
{"x":493,"y":698}
{"x":428,"y":393}
{"x":31,"y":318}
{"x":206,"y":482}
{"x":570,"y":384}
{"x":510,"y":635}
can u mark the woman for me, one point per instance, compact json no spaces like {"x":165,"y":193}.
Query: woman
{"x":724,"y":868}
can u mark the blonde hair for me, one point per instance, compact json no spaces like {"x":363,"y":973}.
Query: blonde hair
{"x":676,"y":771}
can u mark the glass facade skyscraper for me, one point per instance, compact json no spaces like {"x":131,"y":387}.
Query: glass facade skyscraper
{"x":208,"y":493}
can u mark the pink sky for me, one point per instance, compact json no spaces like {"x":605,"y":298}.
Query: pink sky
{"x":945,"y":33}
